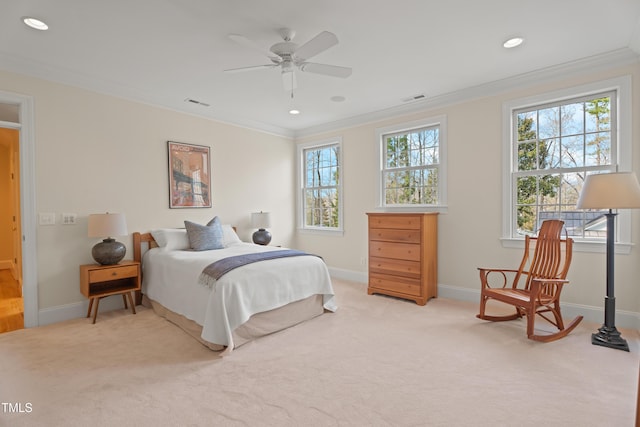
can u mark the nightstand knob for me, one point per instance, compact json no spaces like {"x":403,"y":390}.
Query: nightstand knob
{"x":114,"y":274}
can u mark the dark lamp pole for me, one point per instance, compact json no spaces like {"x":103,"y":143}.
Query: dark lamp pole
{"x":619,"y":190}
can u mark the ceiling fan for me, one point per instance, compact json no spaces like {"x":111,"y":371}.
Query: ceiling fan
{"x":288,"y":56}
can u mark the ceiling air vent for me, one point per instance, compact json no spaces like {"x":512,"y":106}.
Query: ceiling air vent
{"x":195,"y":101}
{"x":414,"y":98}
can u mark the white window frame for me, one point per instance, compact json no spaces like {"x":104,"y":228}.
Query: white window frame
{"x":622,"y":87}
{"x":436,"y":121}
{"x":302,"y":227}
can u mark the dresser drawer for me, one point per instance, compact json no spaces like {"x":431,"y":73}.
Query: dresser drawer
{"x":406,"y":251}
{"x":395,"y":235}
{"x":395,"y":266}
{"x":395,"y":284}
{"x":115,"y":273}
{"x":411,"y":222}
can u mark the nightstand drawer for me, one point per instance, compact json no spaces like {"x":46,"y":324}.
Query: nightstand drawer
{"x":113,"y":273}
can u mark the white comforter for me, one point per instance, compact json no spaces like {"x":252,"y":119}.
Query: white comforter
{"x":171,"y":278}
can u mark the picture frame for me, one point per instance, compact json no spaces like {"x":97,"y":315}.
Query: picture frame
{"x":189,"y":175}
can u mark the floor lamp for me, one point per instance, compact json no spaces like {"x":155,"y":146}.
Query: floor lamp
{"x":610,"y":191}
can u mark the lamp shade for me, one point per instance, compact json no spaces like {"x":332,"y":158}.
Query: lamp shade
{"x":261,"y":220}
{"x":107,"y":225}
{"x":619,"y":190}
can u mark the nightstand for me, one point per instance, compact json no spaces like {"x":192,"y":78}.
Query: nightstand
{"x":99,"y":281}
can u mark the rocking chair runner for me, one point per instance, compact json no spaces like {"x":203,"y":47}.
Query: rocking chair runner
{"x":543,"y":274}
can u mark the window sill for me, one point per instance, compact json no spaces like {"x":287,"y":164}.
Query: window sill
{"x":417,"y":208}
{"x":321,"y":232}
{"x":578,"y":246}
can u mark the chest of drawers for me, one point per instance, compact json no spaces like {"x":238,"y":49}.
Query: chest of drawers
{"x":403,"y":255}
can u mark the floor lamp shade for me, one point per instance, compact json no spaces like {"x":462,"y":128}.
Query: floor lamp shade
{"x":108,"y":252}
{"x":610,"y":191}
{"x":618,"y":190}
{"x":261,"y":221}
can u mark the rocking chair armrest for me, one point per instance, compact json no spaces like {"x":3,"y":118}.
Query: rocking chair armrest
{"x":484,"y":273}
{"x":497,"y":270}
{"x":537,"y":285}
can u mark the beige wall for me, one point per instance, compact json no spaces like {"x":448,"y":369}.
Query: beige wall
{"x":470,"y":231}
{"x":97,"y":153}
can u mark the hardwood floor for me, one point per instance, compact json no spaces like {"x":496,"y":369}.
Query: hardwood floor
{"x":11,"y":306}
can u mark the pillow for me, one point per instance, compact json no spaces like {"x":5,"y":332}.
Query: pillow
{"x":230,"y":236}
{"x":171,"y":238}
{"x":205,"y":237}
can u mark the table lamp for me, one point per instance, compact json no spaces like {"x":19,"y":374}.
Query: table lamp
{"x":261,"y":221}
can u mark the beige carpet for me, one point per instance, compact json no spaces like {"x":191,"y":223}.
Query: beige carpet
{"x":377,"y":361}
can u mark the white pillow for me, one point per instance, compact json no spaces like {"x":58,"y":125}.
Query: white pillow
{"x":230,"y":236}
{"x":171,"y":239}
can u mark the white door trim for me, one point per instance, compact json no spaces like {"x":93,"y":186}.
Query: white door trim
{"x":27,"y":202}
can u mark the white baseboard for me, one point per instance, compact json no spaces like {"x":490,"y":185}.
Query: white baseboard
{"x":60,"y":313}
{"x":352,"y":276}
{"x":624,"y":319}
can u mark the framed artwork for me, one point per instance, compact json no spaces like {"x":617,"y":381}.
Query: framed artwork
{"x":189,"y":175}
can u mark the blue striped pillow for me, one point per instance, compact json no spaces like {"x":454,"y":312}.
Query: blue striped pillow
{"x":205,"y":237}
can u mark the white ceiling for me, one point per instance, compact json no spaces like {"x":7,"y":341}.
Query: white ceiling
{"x":165,"y":51}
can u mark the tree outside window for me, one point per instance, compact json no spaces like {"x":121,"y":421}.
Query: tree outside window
{"x":321,"y":187}
{"x":556,"y":146}
{"x":410,"y":173}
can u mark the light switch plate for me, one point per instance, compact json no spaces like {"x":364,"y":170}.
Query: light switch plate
{"x":47,"y":218}
{"x":69,"y":218}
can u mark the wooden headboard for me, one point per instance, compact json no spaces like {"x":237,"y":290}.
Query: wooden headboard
{"x":138,"y":240}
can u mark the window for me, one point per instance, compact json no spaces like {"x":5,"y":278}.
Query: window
{"x":412,"y":164}
{"x":321,"y":186}
{"x":554,"y":143}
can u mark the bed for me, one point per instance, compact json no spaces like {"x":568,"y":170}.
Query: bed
{"x":244,"y":303}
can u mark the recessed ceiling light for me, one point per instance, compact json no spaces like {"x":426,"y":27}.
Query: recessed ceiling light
{"x":513,"y":42}
{"x":338,"y":98}
{"x":293,"y":111}
{"x":35,"y":23}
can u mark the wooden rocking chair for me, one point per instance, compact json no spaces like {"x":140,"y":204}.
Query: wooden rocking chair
{"x":542,"y":273}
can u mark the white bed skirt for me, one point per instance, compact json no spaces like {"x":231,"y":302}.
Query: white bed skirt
{"x":258,"y":325}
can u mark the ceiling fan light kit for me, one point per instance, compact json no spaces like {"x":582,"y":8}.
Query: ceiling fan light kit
{"x":289,"y":55}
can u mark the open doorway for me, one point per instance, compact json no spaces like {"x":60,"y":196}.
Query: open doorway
{"x":17,"y":112}
{"x":11,"y":299}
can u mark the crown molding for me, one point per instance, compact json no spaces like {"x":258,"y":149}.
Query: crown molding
{"x":73,"y":78}
{"x":583,"y":66}
{"x":612,"y":59}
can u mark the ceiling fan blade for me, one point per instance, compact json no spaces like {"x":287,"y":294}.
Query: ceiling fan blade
{"x":316,"y":45}
{"x":255,"y":67}
{"x":325,"y":69}
{"x":243,"y":41}
{"x":289,"y":81}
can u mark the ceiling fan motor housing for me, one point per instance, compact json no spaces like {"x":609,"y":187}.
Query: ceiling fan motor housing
{"x":284,"y":49}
